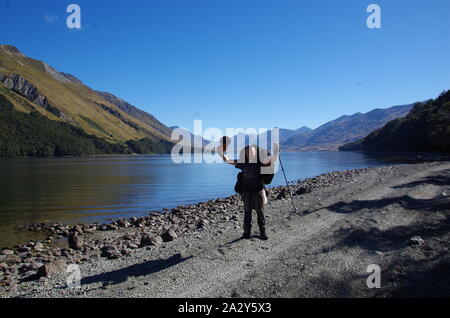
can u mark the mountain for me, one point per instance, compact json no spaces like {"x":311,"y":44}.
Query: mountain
{"x":345,"y":129}
{"x":425,"y":129}
{"x":286,"y":134}
{"x":34,"y":135}
{"x":266,"y":138}
{"x":298,"y":138}
{"x":137,"y":113}
{"x":34,"y":86}
{"x":204,"y":142}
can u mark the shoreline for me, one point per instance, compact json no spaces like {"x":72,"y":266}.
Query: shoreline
{"x":38,"y":262}
{"x":25,"y":228}
{"x":159,"y":223}
{"x":418,"y":157}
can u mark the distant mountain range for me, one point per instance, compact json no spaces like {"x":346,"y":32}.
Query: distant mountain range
{"x":425,"y":129}
{"x":286,"y":134}
{"x":74,"y":119}
{"x":345,"y":129}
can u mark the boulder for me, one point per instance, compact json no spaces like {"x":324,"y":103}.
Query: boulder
{"x":132,"y":246}
{"x":35,"y":266}
{"x":416,"y":240}
{"x":6,"y":251}
{"x":10,"y":259}
{"x":302,"y":190}
{"x":149,"y":240}
{"x":109,"y":227}
{"x":75,"y":242}
{"x":282,"y":194}
{"x":7,"y":281}
{"x":78,"y":229}
{"x":169,"y":235}
{"x":52,"y":268}
{"x":123,"y":223}
{"x":110,"y":252}
{"x":93,"y":255}
{"x":29,"y":275}
{"x":202,"y":224}
{"x":128,"y":237}
{"x":38,"y":246}
{"x":112,"y":227}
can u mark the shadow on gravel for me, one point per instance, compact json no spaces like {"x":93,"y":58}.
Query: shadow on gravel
{"x":408,"y":277}
{"x":404,"y":278}
{"x":405,"y":201}
{"x":394,"y":238}
{"x":410,"y":269}
{"x":240,"y":239}
{"x":233,"y":241}
{"x":329,"y":286}
{"x":143,"y":269}
{"x":441,"y":179}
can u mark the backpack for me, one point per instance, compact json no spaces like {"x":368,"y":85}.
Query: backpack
{"x":268,"y":178}
{"x":238,"y":186}
{"x":265,"y":178}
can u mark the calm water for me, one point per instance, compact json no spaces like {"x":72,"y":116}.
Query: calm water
{"x":98,"y":189}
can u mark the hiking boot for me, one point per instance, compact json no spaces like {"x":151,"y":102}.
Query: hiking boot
{"x":263,"y":236}
{"x":246,"y":236}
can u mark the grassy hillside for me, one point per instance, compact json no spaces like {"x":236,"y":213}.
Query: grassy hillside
{"x":76,"y":103}
{"x":34,"y":135}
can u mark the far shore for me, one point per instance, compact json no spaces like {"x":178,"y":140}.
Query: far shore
{"x":416,"y":156}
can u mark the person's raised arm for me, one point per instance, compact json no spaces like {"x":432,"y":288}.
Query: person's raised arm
{"x":224,"y":157}
{"x":273,"y":159}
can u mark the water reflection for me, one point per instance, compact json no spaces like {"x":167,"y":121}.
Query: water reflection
{"x":100,"y":188}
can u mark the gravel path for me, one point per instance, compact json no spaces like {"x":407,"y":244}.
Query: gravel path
{"x":396,"y":217}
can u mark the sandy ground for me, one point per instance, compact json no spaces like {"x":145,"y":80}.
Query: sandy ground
{"x":323,"y":251}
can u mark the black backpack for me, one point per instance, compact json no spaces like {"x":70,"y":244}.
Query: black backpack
{"x":266,"y":178}
{"x":238,"y":187}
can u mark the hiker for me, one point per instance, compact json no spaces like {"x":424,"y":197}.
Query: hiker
{"x":251,"y":186}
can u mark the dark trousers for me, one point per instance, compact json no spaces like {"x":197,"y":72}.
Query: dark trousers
{"x":253,"y":200}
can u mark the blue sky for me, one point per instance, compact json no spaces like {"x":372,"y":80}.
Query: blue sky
{"x":243,"y":63}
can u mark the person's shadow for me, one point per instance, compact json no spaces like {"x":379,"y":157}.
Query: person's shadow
{"x":143,"y":269}
{"x":240,"y":239}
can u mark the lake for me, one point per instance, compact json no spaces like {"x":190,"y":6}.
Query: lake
{"x":96,"y":189}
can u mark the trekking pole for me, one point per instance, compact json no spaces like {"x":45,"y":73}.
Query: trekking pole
{"x":287,"y":183}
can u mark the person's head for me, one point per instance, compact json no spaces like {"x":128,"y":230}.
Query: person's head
{"x":249,"y":154}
